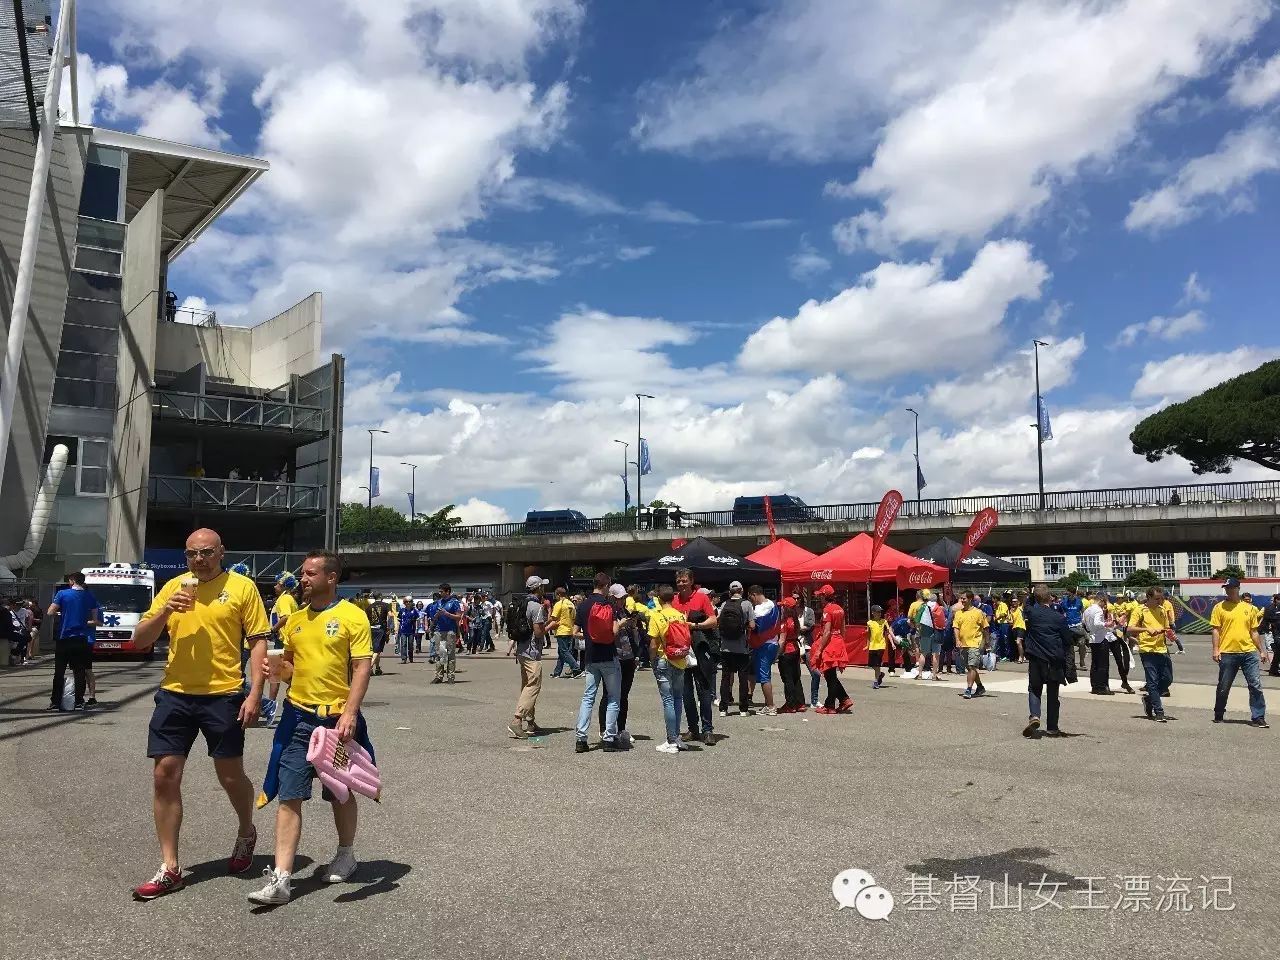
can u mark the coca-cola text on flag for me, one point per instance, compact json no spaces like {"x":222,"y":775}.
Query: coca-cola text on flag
{"x":982,"y":524}
{"x":886,"y":513}
{"x":917,"y":578}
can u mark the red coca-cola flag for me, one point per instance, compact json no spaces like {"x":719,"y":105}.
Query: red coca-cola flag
{"x":917,"y":578}
{"x":982,"y":524}
{"x":768,"y":516}
{"x":886,"y":513}
{"x":678,"y":542}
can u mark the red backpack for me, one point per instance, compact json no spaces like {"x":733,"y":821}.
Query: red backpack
{"x":939,"y":617}
{"x":600,"y":623}
{"x":679,"y":640}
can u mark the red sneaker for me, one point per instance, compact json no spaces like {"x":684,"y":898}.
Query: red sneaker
{"x":802,"y":708}
{"x":165,"y":881}
{"x":825,"y":711}
{"x":242,"y":853}
{"x":846,"y":707}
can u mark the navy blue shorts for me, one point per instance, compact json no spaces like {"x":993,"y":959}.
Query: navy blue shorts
{"x":179,"y":717}
{"x":379,"y":637}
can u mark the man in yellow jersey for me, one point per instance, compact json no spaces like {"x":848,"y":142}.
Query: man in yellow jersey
{"x":210,"y":614}
{"x":328,"y":657}
{"x":1152,"y":625}
{"x":286,"y":583}
{"x":563,"y":613}
{"x":972,"y":637}
{"x":1237,"y":646}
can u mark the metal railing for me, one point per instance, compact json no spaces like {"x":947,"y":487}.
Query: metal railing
{"x":248,"y":495}
{"x":249,"y":413}
{"x":690,"y":524}
{"x":266,"y":564}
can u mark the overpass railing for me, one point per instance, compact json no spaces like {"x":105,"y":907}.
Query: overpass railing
{"x":690,"y":524}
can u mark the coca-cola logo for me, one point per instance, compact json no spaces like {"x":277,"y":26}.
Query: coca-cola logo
{"x":919,"y":578}
{"x":887,"y":513}
{"x":729,"y":561}
{"x":822,"y":575}
{"x":981,"y":528}
{"x":675,"y":559}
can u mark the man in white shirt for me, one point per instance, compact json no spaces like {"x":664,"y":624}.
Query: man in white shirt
{"x":1098,"y":624}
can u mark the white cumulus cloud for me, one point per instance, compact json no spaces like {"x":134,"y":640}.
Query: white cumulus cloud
{"x":1256,"y":83}
{"x":1163,"y":328}
{"x":1187,"y":374}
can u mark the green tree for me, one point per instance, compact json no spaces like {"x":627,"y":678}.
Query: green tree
{"x":1230,"y":570}
{"x":1236,"y":420}
{"x":1074,"y":579}
{"x":357,"y":518}
{"x":1141,"y":579}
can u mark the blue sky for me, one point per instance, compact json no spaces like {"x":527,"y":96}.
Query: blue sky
{"x":787,"y":220}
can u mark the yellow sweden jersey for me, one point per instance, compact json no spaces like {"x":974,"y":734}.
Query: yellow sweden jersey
{"x":323,"y":643}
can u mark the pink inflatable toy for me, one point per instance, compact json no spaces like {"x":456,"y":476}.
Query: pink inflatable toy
{"x":344,"y":768}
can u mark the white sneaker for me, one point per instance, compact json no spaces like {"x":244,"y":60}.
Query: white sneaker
{"x":343,"y":866}
{"x":277,"y":890}
{"x":911,"y":674}
{"x":667,"y":748}
{"x":769,"y":712}
{"x":927,"y":675}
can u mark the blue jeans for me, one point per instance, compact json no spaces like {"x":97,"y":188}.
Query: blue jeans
{"x":671,"y":689}
{"x":610,"y":675}
{"x":564,"y":655}
{"x":1228,"y":665}
{"x":404,"y":646}
{"x":1159,"y":670}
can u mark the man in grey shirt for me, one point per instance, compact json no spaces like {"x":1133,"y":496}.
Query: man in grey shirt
{"x":526,"y":628}
{"x":734,"y":620}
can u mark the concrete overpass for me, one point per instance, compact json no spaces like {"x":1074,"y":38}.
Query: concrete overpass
{"x":1187,"y":517}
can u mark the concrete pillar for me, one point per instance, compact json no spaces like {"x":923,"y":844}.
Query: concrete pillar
{"x":135,"y":375}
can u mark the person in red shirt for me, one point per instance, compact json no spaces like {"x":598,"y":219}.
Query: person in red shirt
{"x":701,"y":614}
{"x":789,"y":660}
{"x":829,"y":654}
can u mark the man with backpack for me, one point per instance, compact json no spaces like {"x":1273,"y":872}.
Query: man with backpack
{"x":930,"y":621}
{"x":526,"y":629}
{"x":600,"y":619}
{"x":734,"y":620}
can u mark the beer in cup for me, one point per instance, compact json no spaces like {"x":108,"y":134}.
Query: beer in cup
{"x":189,"y":586}
{"x":275,"y":660}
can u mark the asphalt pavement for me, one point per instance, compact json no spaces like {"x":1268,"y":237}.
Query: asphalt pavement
{"x":1125,"y":837}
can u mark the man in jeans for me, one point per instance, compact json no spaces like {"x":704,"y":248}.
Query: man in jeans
{"x":1237,"y":646}
{"x":525,"y":632}
{"x":699,"y":678}
{"x":735,"y":658}
{"x":444,"y":634}
{"x":79,"y":612}
{"x":601,"y":663}
{"x":668,"y":671}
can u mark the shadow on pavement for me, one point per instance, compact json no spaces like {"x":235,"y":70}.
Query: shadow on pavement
{"x":371,"y":878}
{"x":59,"y":719}
{"x":1019,"y":865}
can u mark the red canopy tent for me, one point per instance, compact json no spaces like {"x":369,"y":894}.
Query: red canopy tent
{"x":850,"y":563}
{"x":783,"y":555}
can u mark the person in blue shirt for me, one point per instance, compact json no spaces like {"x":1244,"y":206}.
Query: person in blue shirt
{"x":444,"y":633}
{"x":78,"y":609}
{"x":408,"y":619}
{"x":1072,"y":608}
{"x":901,"y":628}
{"x":429,"y":616}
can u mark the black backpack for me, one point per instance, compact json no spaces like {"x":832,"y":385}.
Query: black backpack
{"x":732,"y":622}
{"x":519,"y":628}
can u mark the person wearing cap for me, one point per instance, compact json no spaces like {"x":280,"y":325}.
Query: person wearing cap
{"x":877,"y":643}
{"x":735,"y":657}
{"x":1152,"y":625}
{"x":404,"y":637}
{"x":829,"y":654}
{"x":599,"y":618}
{"x":789,"y":659}
{"x":627,"y":652}
{"x":444,"y":634}
{"x":1237,"y":647}
{"x":700,"y":677}
{"x":928,"y":639}
{"x":526,"y":629}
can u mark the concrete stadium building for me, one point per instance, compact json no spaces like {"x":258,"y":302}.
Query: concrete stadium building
{"x":170,"y":419}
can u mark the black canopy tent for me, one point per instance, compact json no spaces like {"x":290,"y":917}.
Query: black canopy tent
{"x":711,"y":565}
{"x":978,"y":567}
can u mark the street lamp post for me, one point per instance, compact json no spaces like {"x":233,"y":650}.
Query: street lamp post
{"x":413,"y":489}
{"x":640,"y":397}
{"x":625,"y":447}
{"x":1037,"y":344}
{"x":918,"y":473}
{"x":372,"y":431}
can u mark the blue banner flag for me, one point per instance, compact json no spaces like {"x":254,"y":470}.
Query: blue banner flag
{"x":412,"y":514}
{"x":920,"y":484}
{"x":1046,"y":429}
{"x":645,"y":466}
{"x":375,"y":475}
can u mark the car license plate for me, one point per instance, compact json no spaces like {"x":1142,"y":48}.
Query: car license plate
{"x":108,"y":645}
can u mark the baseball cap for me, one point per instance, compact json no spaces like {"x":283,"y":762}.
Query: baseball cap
{"x":617,"y":591}
{"x":1232,"y":582}
{"x":926,"y":593}
{"x":788,"y":601}
{"x":736,"y":585}
{"x":533,"y":583}
{"x":826,"y":590}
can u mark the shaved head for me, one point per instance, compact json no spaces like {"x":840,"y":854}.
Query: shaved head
{"x":204,"y":553}
{"x":204,"y":537}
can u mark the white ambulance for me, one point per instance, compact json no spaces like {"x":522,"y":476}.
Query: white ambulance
{"x":124,"y":593}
